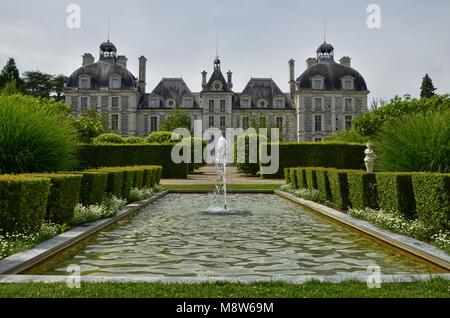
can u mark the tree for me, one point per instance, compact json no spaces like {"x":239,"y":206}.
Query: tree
{"x":427,"y":89}
{"x":38,"y":84}
{"x":11,"y":88}
{"x":10,"y":74}
{"x":58,"y":83}
{"x":176,"y":119}
{"x":90,"y":125}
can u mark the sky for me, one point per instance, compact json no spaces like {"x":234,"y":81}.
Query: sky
{"x":256,"y":38}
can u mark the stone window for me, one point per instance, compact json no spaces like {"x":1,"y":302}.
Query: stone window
{"x":222,"y":121}
{"x":153,"y":123}
{"x":211,"y":121}
{"x":154,"y":103}
{"x":188,"y":103}
{"x":84,"y":102}
{"x":279,"y":122}
{"x":317,"y":123}
{"x":222,"y":105}
{"x":317,"y":84}
{"x":348,"y":104}
{"x":262,"y":103}
{"x":85,"y":83}
{"x":348,"y":122}
{"x":211,"y":105}
{"x":114,"y":102}
{"x":318,"y":103}
{"x":245,"y":103}
{"x":114,"y":122}
{"x":245,"y":123}
{"x":115,"y":83}
{"x":279,"y":103}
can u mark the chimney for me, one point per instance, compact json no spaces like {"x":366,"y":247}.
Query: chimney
{"x":346,"y":60}
{"x":142,"y":68}
{"x":88,"y":59}
{"x":204,"y":74}
{"x":230,"y":82}
{"x":122,"y":60}
{"x":292,"y":76}
{"x":310,"y":62}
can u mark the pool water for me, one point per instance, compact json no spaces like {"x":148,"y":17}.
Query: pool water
{"x":172,"y":238}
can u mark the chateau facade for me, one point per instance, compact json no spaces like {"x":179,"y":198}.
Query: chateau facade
{"x":324,"y":99}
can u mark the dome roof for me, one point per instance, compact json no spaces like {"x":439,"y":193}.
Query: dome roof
{"x":332,"y":73}
{"x":325,"y":48}
{"x":100,"y":73}
{"x":108,"y":47}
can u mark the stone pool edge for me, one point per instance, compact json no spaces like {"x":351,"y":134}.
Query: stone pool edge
{"x":418,"y":248}
{"x":22,"y":261}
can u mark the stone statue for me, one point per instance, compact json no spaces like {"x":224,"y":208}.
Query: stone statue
{"x":370,"y":157}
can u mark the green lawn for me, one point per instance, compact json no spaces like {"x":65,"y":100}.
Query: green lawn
{"x":210,"y":187}
{"x":435,"y":288}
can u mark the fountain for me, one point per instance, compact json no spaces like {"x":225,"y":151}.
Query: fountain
{"x":219,"y":203}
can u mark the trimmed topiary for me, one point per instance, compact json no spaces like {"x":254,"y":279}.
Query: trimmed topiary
{"x":311,"y":178}
{"x":363,"y":190}
{"x":293,"y":178}
{"x":138,"y":178}
{"x":432,"y":195}
{"x":396,"y":194}
{"x":301,"y":179}
{"x":323,"y":185}
{"x":115,"y":180}
{"x":93,"y":187}
{"x":64,"y":196}
{"x":339,"y":188}
{"x":287,"y":176}
{"x":23,"y":202}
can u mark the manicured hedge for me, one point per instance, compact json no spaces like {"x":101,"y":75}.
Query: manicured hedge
{"x":23,"y":202}
{"x":93,"y":187}
{"x":287,"y":176}
{"x":301,"y":178}
{"x":363,"y":190}
{"x":323,"y":185}
{"x":396,"y":194}
{"x":293,"y":178}
{"x":432,"y":194}
{"x":339,"y":188}
{"x":149,"y":178}
{"x":138,"y":178}
{"x":127,"y":183}
{"x":319,"y":154}
{"x":311,"y":178}
{"x":95,"y":156}
{"x":64,"y":196}
{"x":114,"y":183}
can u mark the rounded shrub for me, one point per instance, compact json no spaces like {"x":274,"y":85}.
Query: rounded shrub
{"x":162,"y":137}
{"x":135,"y":140}
{"x":35,"y":136}
{"x":109,"y":138}
{"x":420,"y":142}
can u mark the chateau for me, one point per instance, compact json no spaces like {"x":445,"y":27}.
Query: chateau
{"x":324,"y":99}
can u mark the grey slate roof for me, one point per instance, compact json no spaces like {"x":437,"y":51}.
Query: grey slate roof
{"x":217,"y":76}
{"x":170,"y":88}
{"x":332,"y":72}
{"x":262,"y":88}
{"x":100,"y":73}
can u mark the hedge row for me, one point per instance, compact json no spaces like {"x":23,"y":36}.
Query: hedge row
{"x":319,"y":154}
{"x":96,"y":156}
{"x":29,"y":199}
{"x":423,"y":196}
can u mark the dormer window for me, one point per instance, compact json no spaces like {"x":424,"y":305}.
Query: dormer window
{"x":188,"y":102}
{"x":115,"y":82}
{"x":171,"y":103}
{"x":217,"y":86}
{"x":262,"y":103}
{"x":245,"y":103}
{"x":279,"y":103}
{"x":317,"y":84}
{"x":154,"y":103}
{"x":348,"y":83}
{"x":85,"y":83}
